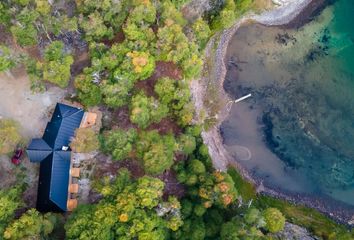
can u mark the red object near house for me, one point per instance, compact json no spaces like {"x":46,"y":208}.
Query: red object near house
{"x":16,"y":157}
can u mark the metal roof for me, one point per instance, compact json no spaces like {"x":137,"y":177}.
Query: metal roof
{"x":55,"y":163}
{"x":60,"y":178}
{"x":38,"y":155}
{"x":65,"y":120}
{"x":39,"y":144}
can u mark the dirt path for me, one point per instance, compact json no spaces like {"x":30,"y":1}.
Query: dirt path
{"x":18,"y":102}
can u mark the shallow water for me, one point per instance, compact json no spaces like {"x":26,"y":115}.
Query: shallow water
{"x":297,"y":131}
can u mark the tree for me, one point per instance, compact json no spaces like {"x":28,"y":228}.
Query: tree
{"x":186,"y":143}
{"x":229,"y":231}
{"x":6,"y":60}
{"x":85,"y":141}
{"x":156,"y":151}
{"x":226,"y":16}
{"x":94,"y":27}
{"x":176,"y":95}
{"x":201,"y":31}
{"x":143,"y":13}
{"x":56,"y":65}
{"x":197,"y":167}
{"x":173,"y":45}
{"x":9,"y":135}
{"x":274,"y":220}
{"x":23,"y":30}
{"x":129,"y":210}
{"x":169,"y":13}
{"x":141,"y":63}
{"x":116,"y":94}
{"x":101,"y":19}
{"x":149,"y":191}
{"x":31,"y":225}
{"x":118,"y":142}
{"x":146,"y":110}
{"x":10,"y":200}
{"x":88,"y":92}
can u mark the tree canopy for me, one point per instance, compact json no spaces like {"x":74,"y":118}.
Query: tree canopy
{"x":131,"y":209}
{"x":118,"y":142}
{"x":156,"y":151}
{"x":31,"y":225}
{"x":56,"y":65}
{"x":146,"y":110}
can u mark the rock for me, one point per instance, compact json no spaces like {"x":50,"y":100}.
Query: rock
{"x":294,"y":232}
{"x":282,"y":2}
{"x":195,"y":9}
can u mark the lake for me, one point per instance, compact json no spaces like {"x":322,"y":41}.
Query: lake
{"x":296,"y":133}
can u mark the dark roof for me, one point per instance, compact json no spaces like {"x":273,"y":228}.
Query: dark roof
{"x":55,"y":163}
{"x":65,"y":120}
{"x":60,"y":178}
{"x":38,"y":150}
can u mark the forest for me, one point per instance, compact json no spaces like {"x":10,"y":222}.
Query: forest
{"x":141,"y":57}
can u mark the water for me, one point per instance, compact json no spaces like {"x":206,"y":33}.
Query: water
{"x":298,"y":129}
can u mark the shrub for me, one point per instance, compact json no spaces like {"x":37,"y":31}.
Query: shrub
{"x":9,"y":135}
{"x":274,"y":219}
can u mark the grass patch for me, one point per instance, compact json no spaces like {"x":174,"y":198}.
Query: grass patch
{"x":316,"y":222}
{"x":245,"y":189}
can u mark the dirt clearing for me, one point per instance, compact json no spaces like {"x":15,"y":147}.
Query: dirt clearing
{"x":30,"y":110}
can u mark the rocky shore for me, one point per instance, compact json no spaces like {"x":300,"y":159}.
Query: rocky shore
{"x":287,"y":13}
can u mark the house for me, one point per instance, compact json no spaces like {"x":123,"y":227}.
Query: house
{"x":53,"y":153}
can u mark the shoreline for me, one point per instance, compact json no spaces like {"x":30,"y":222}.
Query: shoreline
{"x":291,"y":15}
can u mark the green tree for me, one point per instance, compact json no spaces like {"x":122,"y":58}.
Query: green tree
{"x":118,"y":142}
{"x":142,"y":64}
{"x":6,"y":60}
{"x":186,"y":143}
{"x":56,"y":65}
{"x":24,"y":30}
{"x":156,"y":151}
{"x":129,"y":210}
{"x":10,"y":200}
{"x":149,"y":191}
{"x":94,"y":27}
{"x":201,"y":31}
{"x":85,"y":141}
{"x":173,"y":45}
{"x":101,"y":19}
{"x":9,"y":135}
{"x":229,"y":231}
{"x":170,"y":14}
{"x":31,"y":225}
{"x":35,"y":74}
{"x":116,"y":94}
{"x":143,"y":13}
{"x":88,"y":92}
{"x":197,"y":167}
{"x":274,"y":220}
{"x":176,"y":95}
{"x":146,"y":110}
{"x":226,"y":16}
